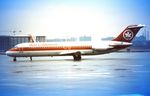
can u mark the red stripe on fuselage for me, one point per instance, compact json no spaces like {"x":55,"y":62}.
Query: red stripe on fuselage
{"x":51,"y":48}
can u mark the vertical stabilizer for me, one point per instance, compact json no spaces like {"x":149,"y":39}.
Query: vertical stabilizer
{"x":129,"y":33}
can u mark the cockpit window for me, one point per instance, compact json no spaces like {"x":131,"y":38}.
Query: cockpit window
{"x":16,"y":46}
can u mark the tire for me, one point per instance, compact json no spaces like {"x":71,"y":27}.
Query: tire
{"x":77,"y":56}
{"x":14,"y":59}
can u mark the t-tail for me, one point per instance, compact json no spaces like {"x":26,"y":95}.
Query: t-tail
{"x":129,"y":33}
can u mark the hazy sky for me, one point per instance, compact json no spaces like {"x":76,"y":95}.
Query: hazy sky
{"x":59,"y":18}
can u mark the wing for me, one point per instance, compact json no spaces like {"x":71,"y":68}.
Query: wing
{"x":68,"y":52}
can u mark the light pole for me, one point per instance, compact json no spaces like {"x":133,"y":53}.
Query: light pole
{"x":15,"y":41}
{"x":14,"y":32}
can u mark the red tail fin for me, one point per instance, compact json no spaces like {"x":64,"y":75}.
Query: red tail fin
{"x":129,"y":33}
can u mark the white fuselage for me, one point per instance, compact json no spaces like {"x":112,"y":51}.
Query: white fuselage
{"x":64,"y":49}
{"x":75,"y":49}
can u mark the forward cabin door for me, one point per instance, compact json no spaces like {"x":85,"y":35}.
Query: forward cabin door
{"x":21,"y":50}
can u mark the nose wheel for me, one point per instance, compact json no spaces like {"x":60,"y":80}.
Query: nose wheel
{"x":14,"y":59}
{"x":77,"y":56}
{"x":30,"y":58}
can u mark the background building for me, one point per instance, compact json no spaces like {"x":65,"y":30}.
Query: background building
{"x":40,"y":38}
{"x":85,"y":38}
{"x":7,"y":42}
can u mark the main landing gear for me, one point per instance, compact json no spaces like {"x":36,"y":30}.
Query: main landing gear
{"x":77,"y":56}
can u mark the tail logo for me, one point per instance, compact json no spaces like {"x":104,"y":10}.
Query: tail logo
{"x":128,"y":35}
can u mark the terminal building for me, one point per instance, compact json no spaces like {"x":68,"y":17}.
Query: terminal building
{"x":7,"y":42}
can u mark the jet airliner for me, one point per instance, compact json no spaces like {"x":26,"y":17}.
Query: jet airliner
{"x":75,"y":49}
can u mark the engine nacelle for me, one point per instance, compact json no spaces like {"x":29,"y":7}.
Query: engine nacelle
{"x":98,"y":47}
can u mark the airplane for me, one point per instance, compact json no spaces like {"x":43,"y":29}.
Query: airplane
{"x":75,"y":49}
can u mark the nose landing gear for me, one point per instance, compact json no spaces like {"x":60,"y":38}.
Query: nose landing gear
{"x":30,"y":58}
{"x":14,"y":59}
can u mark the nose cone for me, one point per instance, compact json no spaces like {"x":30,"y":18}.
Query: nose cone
{"x":7,"y":53}
{"x":11,"y":52}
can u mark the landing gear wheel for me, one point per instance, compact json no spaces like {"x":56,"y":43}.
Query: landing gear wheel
{"x":77,"y":56}
{"x":30,"y":58}
{"x":14,"y":59}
